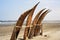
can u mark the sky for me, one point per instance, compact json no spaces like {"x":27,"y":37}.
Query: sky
{"x":12,"y":9}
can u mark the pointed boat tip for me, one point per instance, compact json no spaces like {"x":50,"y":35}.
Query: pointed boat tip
{"x":49,"y":10}
{"x":43,"y":8}
{"x":36,"y":5}
{"x":38,"y":2}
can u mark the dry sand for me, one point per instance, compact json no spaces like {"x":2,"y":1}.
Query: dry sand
{"x":52,"y":30}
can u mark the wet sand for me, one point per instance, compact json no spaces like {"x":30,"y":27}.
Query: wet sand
{"x":52,"y":30}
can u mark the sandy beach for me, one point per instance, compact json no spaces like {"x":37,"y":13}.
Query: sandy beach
{"x":52,"y":30}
